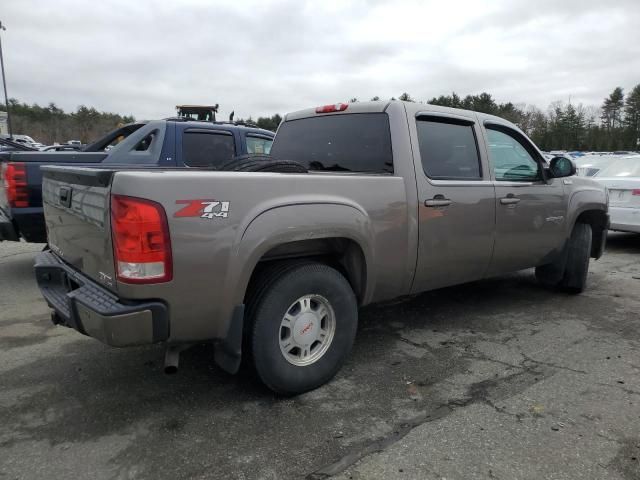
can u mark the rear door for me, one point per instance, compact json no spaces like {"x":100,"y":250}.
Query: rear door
{"x":76,"y":204}
{"x":530,"y":212}
{"x":456,"y":201}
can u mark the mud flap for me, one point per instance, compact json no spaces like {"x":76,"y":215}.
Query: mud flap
{"x":550,"y":273}
{"x":228,"y":352}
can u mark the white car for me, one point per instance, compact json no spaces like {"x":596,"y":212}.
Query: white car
{"x":590,"y":165}
{"x":622,"y":179}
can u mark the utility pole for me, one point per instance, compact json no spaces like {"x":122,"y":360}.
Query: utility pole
{"x":4,"y":82}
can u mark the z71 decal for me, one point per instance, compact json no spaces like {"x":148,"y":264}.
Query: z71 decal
{"x":203,"y":208}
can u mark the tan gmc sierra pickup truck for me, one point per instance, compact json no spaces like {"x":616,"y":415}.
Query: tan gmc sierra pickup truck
{"x":392,"y":199}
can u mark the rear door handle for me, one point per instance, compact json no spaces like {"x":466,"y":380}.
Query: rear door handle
{"x":509,"y":200}
{"x":437,"y":201}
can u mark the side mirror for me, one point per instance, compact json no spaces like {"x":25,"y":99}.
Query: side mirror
{"x":561,"y":167}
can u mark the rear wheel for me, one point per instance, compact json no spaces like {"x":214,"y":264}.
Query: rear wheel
{"x":572,"y":276}
{"x":304,"y":323}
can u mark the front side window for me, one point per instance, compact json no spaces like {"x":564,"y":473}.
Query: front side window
{"x":510,"y":160}
{"x":448,"y":150}
{"x":207,"y":150}
{"x":358,"y":142}
{"x":259,"y":145}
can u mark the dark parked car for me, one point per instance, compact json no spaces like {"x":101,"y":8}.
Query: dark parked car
{"x":208,"y":145}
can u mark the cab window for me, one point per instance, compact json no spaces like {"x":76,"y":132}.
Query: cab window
{"x":510,"y":159}
{"x":359,"y":142}
{"x":448,"y":149}
{"x":207,"y":150}
{"x":259,"y":144}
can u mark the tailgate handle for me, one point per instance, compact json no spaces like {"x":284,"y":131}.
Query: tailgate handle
{"x":65,"y":197}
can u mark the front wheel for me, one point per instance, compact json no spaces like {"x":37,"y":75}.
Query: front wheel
{"x":304,"y":324}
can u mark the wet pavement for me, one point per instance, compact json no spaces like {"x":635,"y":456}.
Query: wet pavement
{"x":495,"y":379}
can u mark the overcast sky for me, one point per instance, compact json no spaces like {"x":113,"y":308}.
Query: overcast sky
{"x":263,"y":57}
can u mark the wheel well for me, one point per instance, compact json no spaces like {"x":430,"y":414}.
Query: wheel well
{"x":598,"y":221}
{"x":343,"y":254}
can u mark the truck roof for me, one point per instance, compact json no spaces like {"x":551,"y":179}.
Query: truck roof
{"x":412,"y":109}
{"x":239,"y":126}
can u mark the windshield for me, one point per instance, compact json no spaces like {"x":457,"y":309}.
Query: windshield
{"x":625,"y":167}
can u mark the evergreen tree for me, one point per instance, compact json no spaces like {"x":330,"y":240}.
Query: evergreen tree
{"x":612,"y":109}
{"x":269,"y":123}
{"x":51,"y":124}
{"x":632,"y":117}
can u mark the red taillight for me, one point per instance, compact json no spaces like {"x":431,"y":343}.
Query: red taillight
{"x":141,"y":243}
{"x":337,"y":107}
{"x":14,"y":176}
{"x":635,"y":191}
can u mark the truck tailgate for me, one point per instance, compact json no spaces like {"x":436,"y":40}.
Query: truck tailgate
{"x":76,"y":206}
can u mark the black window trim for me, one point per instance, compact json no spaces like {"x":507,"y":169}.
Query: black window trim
{"x":437,"y":117}
{"x":528,"y":146}
{"x":261,"y":136}
{"x":209,"y":131}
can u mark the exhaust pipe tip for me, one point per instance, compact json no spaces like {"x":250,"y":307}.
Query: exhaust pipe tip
{"x":171,"y":360}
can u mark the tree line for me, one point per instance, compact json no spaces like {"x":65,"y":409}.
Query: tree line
{"x":612,"y":126}
{"x":51,"y":124}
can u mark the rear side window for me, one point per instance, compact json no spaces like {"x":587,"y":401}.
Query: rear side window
{"x":340,"y":143}
{"x":210,"y":150}
{"x":448,"y":150}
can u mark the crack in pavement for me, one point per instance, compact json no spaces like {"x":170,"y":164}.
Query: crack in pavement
{"x":380,"y":444}
{"x":478,"y":392}
{"x":553,"y":365}
{"x":486,"y":358}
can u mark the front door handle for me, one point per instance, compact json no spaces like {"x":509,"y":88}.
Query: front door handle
{"x":510,"y":199}
{"x":437,"y":201}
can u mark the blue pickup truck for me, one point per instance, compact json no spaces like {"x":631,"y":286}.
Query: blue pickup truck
{"x":186,"y":144}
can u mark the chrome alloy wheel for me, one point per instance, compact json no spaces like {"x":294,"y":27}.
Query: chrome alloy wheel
{"x":307,"y":329}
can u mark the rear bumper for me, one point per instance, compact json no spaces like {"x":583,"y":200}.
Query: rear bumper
{"x":27,"y":223}
{"x":624,"y":219}
{"x":80,"y":303}
{"x":30,"y":224}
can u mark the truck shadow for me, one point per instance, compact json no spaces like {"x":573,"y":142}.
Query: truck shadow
{"x":619,"y":242}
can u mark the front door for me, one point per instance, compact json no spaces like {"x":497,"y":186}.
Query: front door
{"x":530,"y":212}
{"x":456,"y":203}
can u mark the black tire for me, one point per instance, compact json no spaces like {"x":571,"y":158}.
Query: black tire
{"x":279,"y":288}
{"x":570,"y":273}
{"x":575,"y":273}
{"x":262,"y":163}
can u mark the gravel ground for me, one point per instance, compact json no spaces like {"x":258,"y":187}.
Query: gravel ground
{"x":499,"y":379}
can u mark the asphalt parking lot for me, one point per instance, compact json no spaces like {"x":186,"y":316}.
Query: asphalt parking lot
{"x":499,"y":379}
